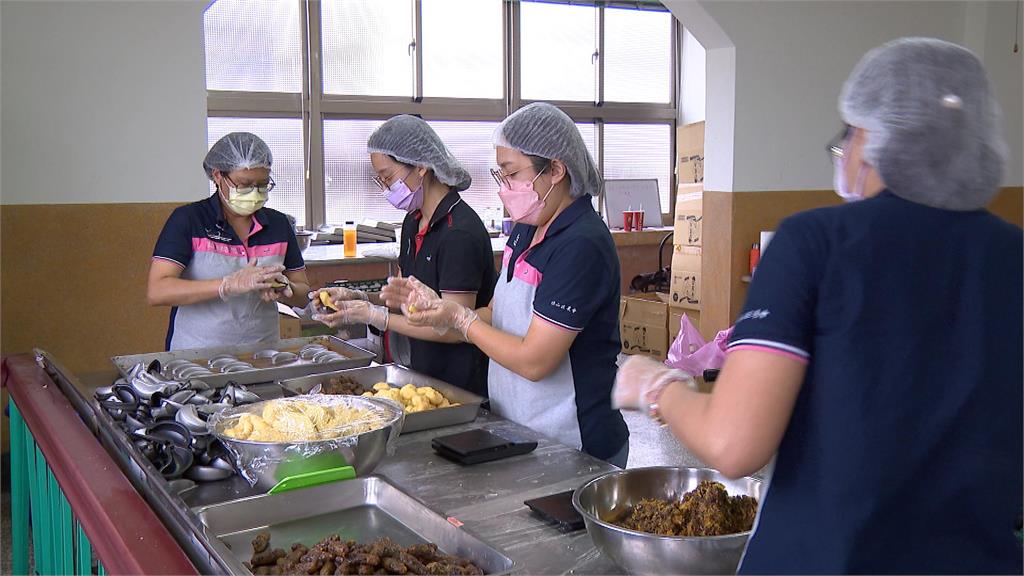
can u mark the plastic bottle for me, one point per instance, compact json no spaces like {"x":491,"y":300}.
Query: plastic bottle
{"x":350,"y":239}
{"x":755,"y":257}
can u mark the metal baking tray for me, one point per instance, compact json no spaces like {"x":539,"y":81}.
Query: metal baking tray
{"x":354,"y":358}
{"x":361,"y":509}
{"x":395,"y":375}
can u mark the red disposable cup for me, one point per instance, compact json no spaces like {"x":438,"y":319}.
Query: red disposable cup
{"x":638,"y":220}
{"x":627,"y":220}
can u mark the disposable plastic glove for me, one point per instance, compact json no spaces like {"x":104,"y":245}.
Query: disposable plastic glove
{"x":252,"y":278}
{"x":395,"y":292}
{"x":638,"y":377}
{"x":423,"y":307}
{"x":355,"y":312}
{"x":334,"y":296}
{"x":274,"y":294}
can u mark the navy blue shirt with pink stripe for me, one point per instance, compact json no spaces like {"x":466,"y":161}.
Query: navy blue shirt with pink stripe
{"x":198,"y":239}
{"x":904,"y":450}
{"x":570,"y":279}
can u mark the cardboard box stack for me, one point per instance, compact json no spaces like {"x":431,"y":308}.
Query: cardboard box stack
{"x":685,"y":292}
{"x":649,"y":323}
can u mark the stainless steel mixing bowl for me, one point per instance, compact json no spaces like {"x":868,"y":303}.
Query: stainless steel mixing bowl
{"x":271,"y":462}
{"x":612,"y":495}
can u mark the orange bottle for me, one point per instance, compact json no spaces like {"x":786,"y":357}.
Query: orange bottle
{"x":350,"y":239}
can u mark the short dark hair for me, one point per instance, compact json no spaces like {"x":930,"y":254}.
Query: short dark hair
{"x":539,"y":163}
{"x":399,"y":162}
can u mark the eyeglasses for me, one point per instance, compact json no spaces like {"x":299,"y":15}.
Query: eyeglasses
{"x":383,"y":184}
{"x":836,"y":147}
{"x":502,"y":178}
{"x":262,"y":189}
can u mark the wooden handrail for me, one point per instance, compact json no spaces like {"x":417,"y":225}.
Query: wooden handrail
{"x":127,"y":535}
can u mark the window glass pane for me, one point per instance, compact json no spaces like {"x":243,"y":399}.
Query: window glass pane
{"x":589,"y":134}
{"x":558,"y":43}
{"x":366,"y":47}
{"x":638,"y":56}
{"x":284,"y":136}
{"x":253,"y":45}
{"x":640,"y":151}
{"x":472,"y":144}
{"x":351,"y":193}
{"x":461,"y":61}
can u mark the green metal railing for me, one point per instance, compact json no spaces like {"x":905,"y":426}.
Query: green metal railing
{"x":73,"y":509}
{"x":39,"y":509}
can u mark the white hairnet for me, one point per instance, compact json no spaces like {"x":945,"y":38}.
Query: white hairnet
{"x":540,"y":129}
{"x":237,"y":151}
{"x":412,"y":141}
{"x":932,"y":123}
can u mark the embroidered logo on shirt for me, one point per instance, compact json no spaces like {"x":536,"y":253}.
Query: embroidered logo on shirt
{"x":428,"y":258}
{"x":759,"y":314}
{"x":565,"y":307}
{"x":216,"y":235}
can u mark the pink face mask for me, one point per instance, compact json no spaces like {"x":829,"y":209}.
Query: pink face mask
{"x":400,"y":196}
{"x":521,"y":201}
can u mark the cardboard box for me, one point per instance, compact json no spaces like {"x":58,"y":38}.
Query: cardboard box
{"x":684,"y":291}
{"x":643,"y":324}
{"x":291,"y":327}
{"x":685,"y":288}
{"x":689,"y":216}
{"x":675,"y":317}
{"x":690,"y":153}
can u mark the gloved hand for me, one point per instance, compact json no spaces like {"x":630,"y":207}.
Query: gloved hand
{"x":250,"y":279}
{"x":638,"y":377}
{"x":335,"y":296}
{"x":355,"y":312}
{"x":418,"y":296}
{"x":395,"y":292}
{"x":274,"y":294}
{"x":423,"y":307}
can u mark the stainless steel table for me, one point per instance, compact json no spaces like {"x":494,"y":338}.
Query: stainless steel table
{"x":487,"y":498}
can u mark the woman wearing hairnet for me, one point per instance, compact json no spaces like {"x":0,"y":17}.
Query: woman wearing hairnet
{"x":551,"y":330}
{"x":878,"y":357}
{"x":221,"y":263}
{"x":444,"y":244}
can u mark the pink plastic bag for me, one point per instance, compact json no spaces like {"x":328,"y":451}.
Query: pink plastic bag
{"x":691,"y":354}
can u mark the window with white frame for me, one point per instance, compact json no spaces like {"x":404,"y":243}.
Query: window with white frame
{"x":315,"y":77}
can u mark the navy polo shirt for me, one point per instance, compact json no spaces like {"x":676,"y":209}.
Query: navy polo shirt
{"x":569,"y":279}
{"x":452,"y":255}
{"x":197,"y":238}
{"x":904,"y":451}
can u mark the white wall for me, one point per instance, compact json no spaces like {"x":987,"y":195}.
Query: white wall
{"x":694,"y":79}
{"x":791,"y":58}
{"x":720,"y":101}
{"x":1006,"y":74}
{"x":102,"y":102}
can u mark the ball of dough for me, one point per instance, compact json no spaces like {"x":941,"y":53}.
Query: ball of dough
{"x":408,"y":391}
